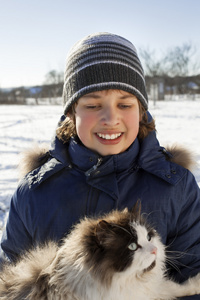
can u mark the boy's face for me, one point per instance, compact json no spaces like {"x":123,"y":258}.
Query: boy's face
{"x":107,"y":122}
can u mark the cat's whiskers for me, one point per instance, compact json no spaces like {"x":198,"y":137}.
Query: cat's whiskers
{"x":147,"y":215}
{"x":173,"y":260}
{"x":173,"y":264}
{"x":171,"y":243}
{"x":169,"y":261}
{"x":172,"y":257}
{"x":176,"y":254}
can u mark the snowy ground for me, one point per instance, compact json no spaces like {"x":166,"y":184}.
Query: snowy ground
{"x":22,"y":126}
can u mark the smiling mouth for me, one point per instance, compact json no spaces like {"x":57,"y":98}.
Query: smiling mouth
{"x":150,"y":267}
{"x":107,"y":136}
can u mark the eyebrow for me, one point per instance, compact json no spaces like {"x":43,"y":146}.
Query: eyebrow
{"x":127,"y":96}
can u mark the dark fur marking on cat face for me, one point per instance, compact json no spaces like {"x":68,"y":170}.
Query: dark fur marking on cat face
{"x":150,"y":267}
{"x":106,"y":244}
{"x":114,"y":239}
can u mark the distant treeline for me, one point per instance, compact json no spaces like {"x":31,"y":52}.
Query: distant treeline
{"x":175,"y":72}
{"x":157,"y":87}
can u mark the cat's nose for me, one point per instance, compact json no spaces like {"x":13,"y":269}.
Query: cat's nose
{"x":154,"y":251}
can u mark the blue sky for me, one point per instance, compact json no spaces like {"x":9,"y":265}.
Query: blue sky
{"x":36,"y":35}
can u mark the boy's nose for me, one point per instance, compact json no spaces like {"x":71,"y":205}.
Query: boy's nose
{"x":110,"y":117}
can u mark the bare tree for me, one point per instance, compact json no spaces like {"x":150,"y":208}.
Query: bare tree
{"x":153,"y":66}
{"x":154,"y":72}
{"x":53,"y":83}
{"x":176,"y":61}
{"x":180,"y":61}
{"x":54,"y":77}
{"x":174,"y":66}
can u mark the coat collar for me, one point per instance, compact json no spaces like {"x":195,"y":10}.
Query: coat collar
{"x":88,"y":161}
{"x":153,"y":159}
{"x":147,"y":155}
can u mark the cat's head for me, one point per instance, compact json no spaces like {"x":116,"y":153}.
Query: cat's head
{"x":123,"y":242}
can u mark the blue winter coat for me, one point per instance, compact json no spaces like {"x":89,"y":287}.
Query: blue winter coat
{"x":75,"y":182}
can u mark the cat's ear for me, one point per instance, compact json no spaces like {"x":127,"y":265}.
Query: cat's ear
{"x":136,"y":210}
{"x":101,"y":231}
{"x":125,"y":210}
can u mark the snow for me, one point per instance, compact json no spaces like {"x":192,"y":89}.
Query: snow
{"x":23,"y":125}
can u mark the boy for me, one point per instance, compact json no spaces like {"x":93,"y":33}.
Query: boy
{"x":105,"y":156}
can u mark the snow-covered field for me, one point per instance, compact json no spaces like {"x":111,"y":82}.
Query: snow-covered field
{"x":23,"y":125}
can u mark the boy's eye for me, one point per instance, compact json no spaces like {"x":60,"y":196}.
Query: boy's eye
{"x":92,"y":106}
{"x":124,"y":106}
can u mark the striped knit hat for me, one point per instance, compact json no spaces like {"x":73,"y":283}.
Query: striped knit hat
{"x":103,"y":61}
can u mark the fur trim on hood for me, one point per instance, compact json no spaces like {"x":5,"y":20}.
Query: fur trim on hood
{"x":38,"y":155}
{"x":182,"y":156}
{"x":33,"y":158}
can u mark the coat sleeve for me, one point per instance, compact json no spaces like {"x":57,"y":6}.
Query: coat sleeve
{"x":15,"y":238}
{"x":186,"y":240}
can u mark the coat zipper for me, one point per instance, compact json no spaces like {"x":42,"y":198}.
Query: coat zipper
{"x":99,"y":161}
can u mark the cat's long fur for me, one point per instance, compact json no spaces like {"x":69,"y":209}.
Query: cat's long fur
{"x":97,"y":262}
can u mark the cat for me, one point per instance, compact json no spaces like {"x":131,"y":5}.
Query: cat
{"x":115,"y":257}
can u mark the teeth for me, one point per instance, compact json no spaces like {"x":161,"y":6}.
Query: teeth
{"x":109,"y":136}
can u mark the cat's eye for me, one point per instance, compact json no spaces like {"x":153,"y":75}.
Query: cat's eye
{"x":133,"y":246}
{"x":148,"y":237}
